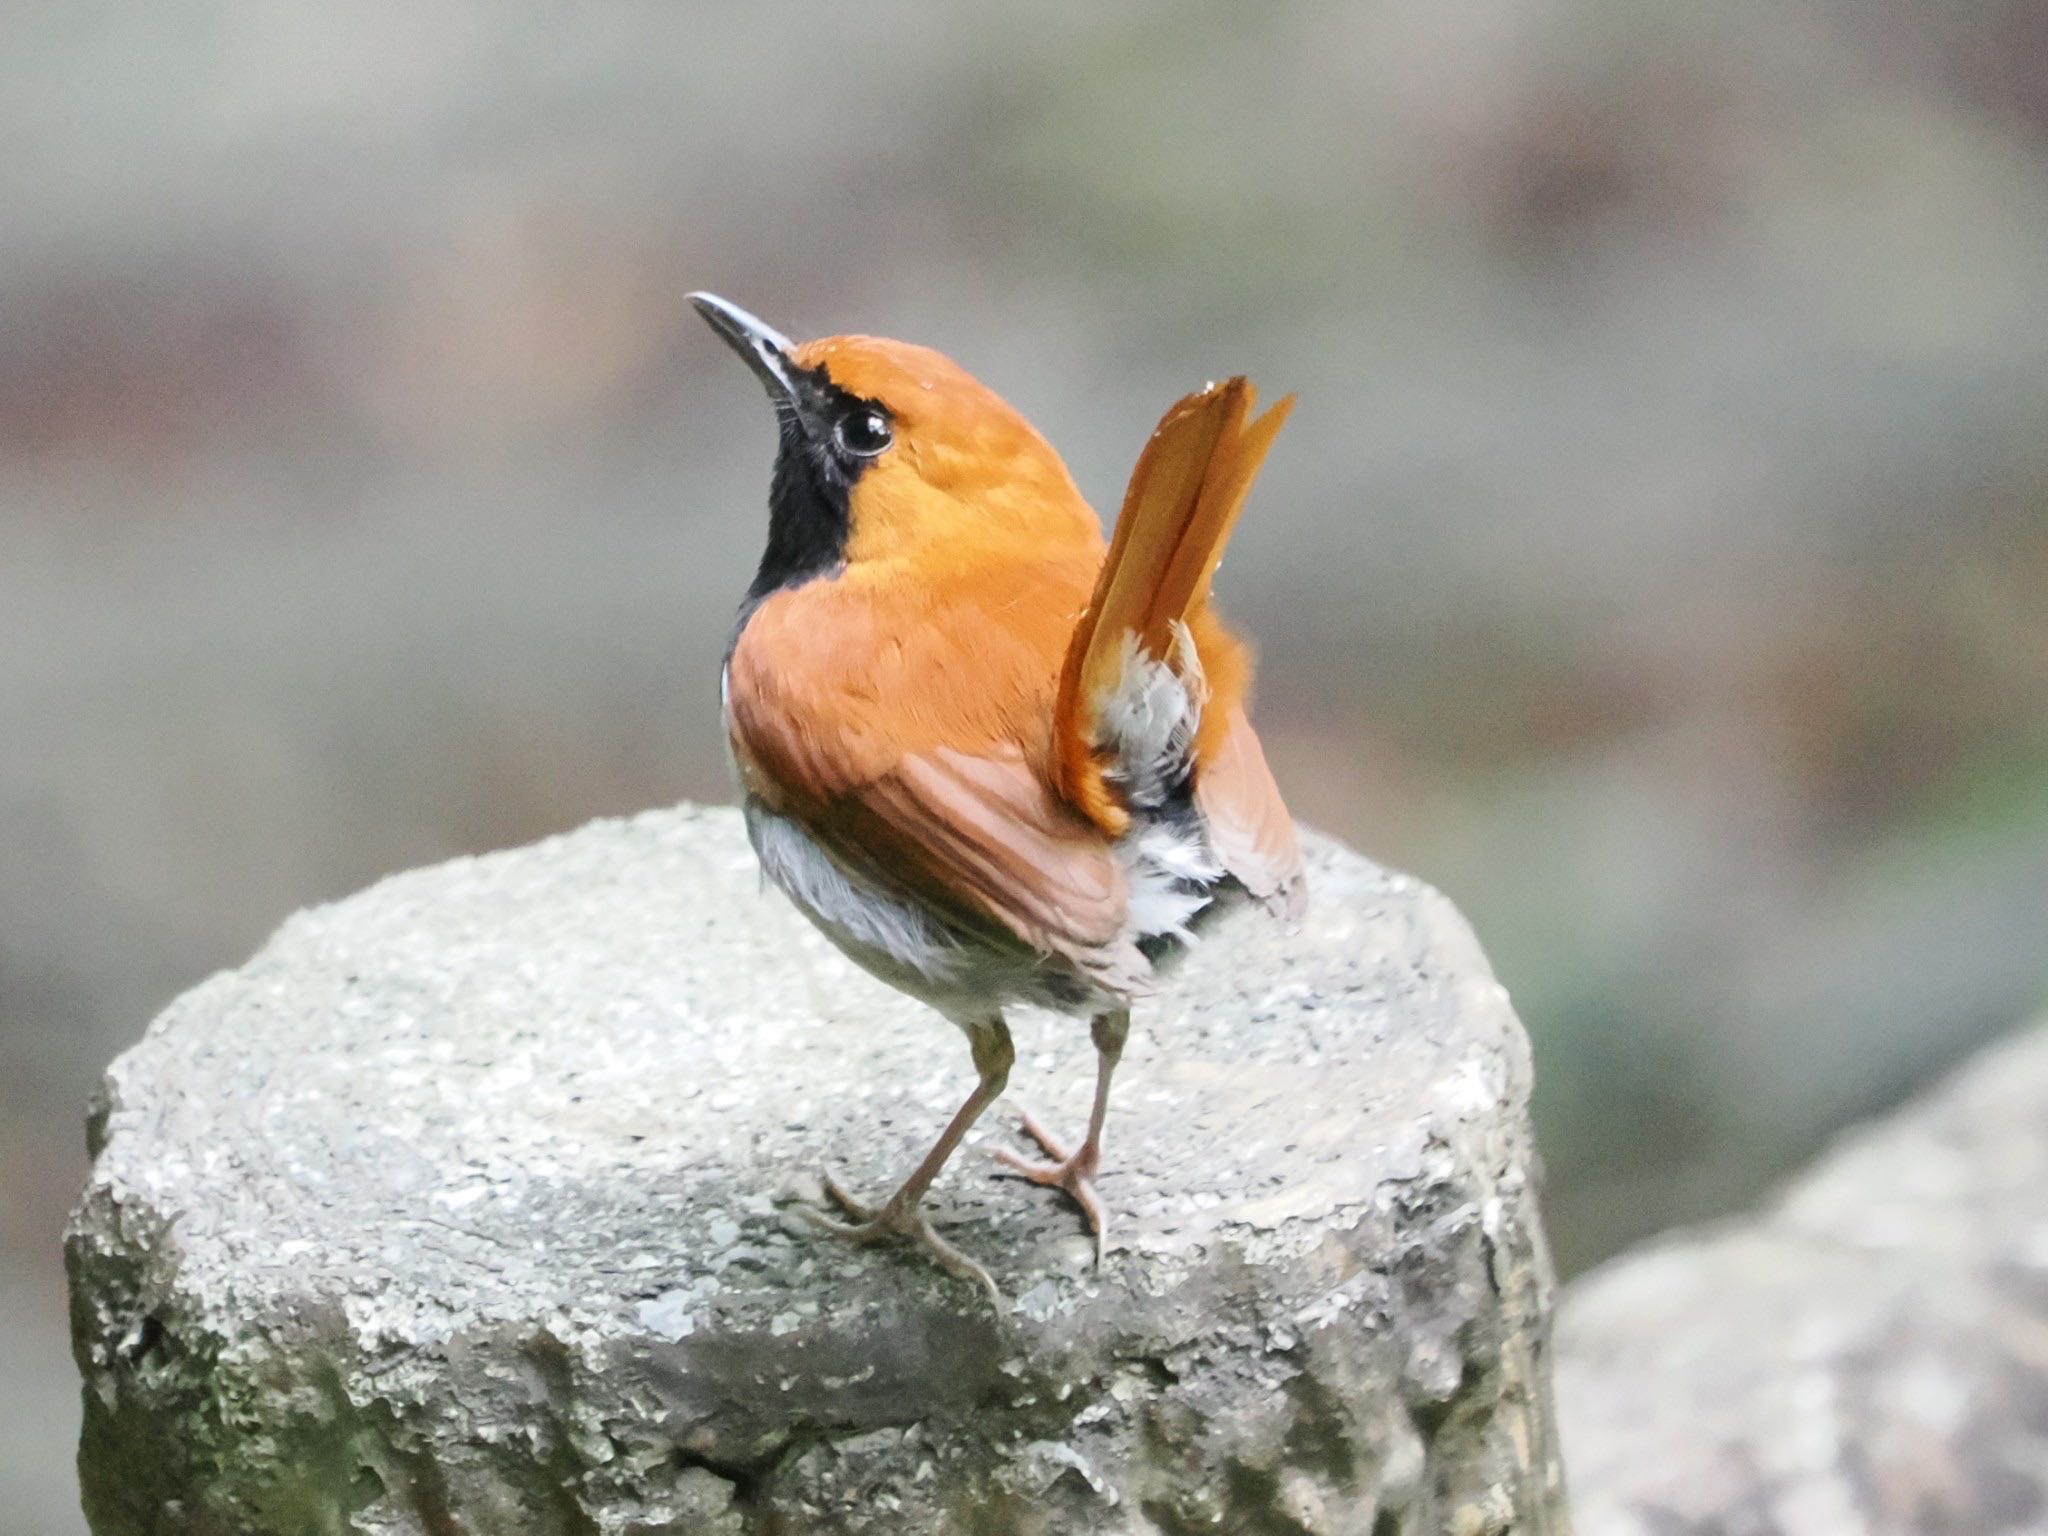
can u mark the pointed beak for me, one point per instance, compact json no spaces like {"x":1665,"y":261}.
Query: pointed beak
{"x":763,"y":348}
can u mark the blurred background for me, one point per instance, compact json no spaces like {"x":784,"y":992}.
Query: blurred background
{"x":1658,"y":561}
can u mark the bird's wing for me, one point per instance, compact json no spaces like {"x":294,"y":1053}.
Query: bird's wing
{"x":984,"y":833}
{"x":916,"y":750}
{"x":1249,"y":828}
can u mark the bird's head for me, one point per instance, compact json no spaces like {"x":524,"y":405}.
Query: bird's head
{"x":892,"y":452}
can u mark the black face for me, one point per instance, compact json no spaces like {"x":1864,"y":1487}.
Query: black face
{"x":828,"y":437}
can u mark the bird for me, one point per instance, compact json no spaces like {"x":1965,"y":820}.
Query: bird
{"x":995,"y":759}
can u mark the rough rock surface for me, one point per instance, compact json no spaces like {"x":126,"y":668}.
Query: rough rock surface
{"x":467,"y":1206}
{"x":1869,"y":1357}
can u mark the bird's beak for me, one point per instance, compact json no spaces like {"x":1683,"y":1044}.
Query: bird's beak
{"x":763,"y":348}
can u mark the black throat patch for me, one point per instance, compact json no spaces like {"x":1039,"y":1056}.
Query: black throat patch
{"x":810,"y":495}
{"x":808,"y":515}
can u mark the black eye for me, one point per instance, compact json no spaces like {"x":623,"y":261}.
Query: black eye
{"x":864,"y":434}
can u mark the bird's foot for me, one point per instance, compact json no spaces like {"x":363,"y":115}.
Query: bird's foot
{"x":1073,"y":1172}
{"x":898,"y":1222}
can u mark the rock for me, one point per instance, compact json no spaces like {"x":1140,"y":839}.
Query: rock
{"x":468,"y":1205}
{"x":1870,"y":1356}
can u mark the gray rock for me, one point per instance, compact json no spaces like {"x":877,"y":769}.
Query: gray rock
{"x":468,"y":1205}
{"x":1868,"y":1357}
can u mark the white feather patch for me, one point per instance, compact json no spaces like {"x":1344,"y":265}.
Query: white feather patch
{"x":1168,"y":873}
{"x":854,"y":911}
{"x":1146,"y":720}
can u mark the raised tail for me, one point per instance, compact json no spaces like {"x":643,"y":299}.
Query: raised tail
{"x":1152,"y":596}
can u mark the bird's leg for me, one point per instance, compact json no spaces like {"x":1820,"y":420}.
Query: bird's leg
{"x":1075,"y":1172}
{"x":898,"y":1217}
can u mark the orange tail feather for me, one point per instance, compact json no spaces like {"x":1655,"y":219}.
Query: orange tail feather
{"x":1183,"y":500}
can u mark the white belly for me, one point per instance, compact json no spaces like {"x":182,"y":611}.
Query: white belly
{"x":966,"y":974}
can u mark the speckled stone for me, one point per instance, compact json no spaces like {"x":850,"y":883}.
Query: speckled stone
{"x":1867,"y":1357}
{"x":468,"y":1205}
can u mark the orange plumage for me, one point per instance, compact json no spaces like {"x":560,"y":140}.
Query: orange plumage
{"x":1184,"y":497}
{"x":992,"y":760}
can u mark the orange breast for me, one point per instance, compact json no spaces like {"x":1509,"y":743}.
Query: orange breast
{"x":908,"y":726}
{"x":834,"y":682}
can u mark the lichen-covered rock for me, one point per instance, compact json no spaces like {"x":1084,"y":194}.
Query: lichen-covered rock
{"x":1867,"y":1358}
{"x":468,"y":1206}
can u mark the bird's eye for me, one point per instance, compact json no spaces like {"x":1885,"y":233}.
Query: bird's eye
{"x":864,"y":433}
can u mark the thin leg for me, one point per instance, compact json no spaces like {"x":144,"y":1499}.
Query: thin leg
{"x":898,"y":1218}
{"x":1075,"y":1172}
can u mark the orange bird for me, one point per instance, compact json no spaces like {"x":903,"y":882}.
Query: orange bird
{"x":993,"y":761}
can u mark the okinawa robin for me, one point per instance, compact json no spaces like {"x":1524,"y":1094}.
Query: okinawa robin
{"x":994,"y":762}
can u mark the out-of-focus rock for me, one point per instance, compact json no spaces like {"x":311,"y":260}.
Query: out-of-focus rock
{"x":1869,"y":1357}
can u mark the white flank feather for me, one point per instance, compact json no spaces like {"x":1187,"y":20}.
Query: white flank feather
{"x":1147,"y":722}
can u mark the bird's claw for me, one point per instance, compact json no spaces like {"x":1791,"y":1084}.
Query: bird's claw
{"x":897,"y":1223}
{"x":1073,"y":1172}
{"x":859,"y":1210}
